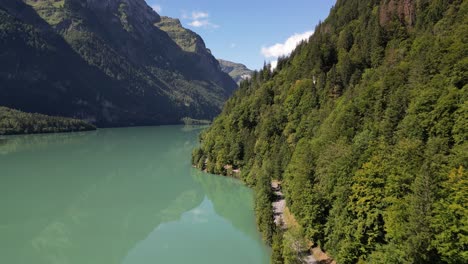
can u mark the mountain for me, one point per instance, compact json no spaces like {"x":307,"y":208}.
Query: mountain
{"x":106,"y":62}
{"x":365,"y":124}
{"x":17,"y":122}
{"x":194,"y":45}
{"x":237,"y":71}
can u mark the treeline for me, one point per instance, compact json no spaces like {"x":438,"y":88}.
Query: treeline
{"x":366,"y":125}
{"x":16,"y":122}
{"x":190,"y":121}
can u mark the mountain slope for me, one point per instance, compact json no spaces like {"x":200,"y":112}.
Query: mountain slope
{"x":365,"y":125}
{"x":237,"y":71}
{"x":195,"y":47}
{"x":123,"y":71}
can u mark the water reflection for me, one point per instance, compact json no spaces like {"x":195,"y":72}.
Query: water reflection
{"x":231,"y":200}
{"x":10,"y":144}
{"x":203,"y":237}
{"x":95,"y":197}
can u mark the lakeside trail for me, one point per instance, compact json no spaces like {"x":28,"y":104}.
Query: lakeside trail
{"x":278,"y":205}
{"x":312,"y":256}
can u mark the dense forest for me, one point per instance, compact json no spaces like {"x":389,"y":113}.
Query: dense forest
{"x":366,"y":125}
{"x":14,"y":122}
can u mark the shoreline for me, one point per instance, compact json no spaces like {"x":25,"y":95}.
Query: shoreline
{"x":283,"y":218}
{"x":285,"y":223}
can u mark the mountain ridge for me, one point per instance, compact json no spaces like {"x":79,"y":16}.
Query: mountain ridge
{"x":141,"y":76}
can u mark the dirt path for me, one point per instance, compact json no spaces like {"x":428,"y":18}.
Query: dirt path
{"x":279,"y":206}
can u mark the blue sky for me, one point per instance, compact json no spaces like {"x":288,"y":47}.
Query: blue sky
{"x":247,"y":31}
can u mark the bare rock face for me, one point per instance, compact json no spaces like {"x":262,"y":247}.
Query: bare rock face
{"x":404,"y":9}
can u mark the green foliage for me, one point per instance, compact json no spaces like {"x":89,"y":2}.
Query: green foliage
{"x":364,"y":123}
{"x":264,"y":214}
{"x":16,"y":122}
{"x":277,"y":248}
{"x":293,"y":246}
{"x":451,"y":219}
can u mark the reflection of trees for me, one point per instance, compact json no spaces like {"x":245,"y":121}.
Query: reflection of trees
{"x":75,"y":194}
{"x":231,"y":200}
{"x":10,"y":144}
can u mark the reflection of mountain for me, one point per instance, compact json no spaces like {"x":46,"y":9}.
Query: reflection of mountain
{"x":65,"y":202}
{"x":231,"y":200}
{"x":203,"y":237}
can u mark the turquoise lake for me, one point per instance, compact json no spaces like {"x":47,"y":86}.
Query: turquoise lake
{"x":126,"y":195}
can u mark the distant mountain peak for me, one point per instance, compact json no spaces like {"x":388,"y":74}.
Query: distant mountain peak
{"x":237,"y":71}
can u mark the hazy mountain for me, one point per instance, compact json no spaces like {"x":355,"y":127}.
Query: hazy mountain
{"x":237,"y":71}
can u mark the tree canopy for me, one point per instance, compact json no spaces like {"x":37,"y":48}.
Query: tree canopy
{"x":366,"y":125}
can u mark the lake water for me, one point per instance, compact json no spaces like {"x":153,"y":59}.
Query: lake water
{"x":120,"y":196}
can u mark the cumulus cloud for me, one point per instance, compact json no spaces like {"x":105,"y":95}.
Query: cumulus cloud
{"x":199,"y":19}
{"x":283,"y":49}
{"x":157,"y":8}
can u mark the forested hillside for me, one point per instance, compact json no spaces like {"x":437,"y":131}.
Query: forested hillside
{"x":14,"y":122}
{"x":106,"y":62}
{"x":366,"y":125}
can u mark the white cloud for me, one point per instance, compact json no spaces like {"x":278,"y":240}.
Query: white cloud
{"x":283,"y":49}
{"x":198,"y":15}
{"x":203,"y":23}
{"x":233,"y":45}
{"x":199,"y":23}
{"x":199,"y":19}
{"x":157,"y":8}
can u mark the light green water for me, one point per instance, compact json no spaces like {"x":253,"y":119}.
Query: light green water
{"x":120,"y":196}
